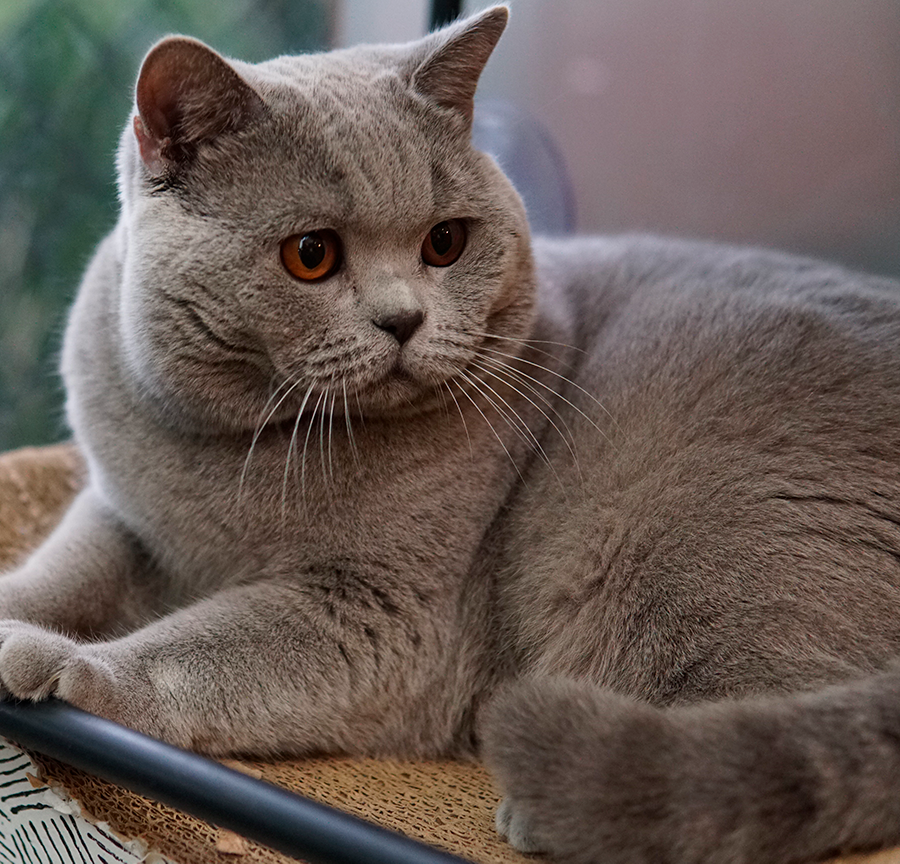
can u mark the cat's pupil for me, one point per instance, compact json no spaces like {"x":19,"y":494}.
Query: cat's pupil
{"x":441,"y":238}
{"x":312,"y":250}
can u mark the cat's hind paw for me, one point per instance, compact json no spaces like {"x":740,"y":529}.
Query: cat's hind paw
{"x":585,"y":771}
{"x":513,"y":825}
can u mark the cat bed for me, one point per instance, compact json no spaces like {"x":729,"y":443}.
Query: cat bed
{"x":447,"y":804}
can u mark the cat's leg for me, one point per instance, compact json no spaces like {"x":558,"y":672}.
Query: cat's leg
{"x":261,"y":668}
{"x":88,"y":577}
{"x":594,"y":776}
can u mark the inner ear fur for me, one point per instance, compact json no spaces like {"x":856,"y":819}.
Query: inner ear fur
{"x":187,"y":94}
{"x":455,"y":58}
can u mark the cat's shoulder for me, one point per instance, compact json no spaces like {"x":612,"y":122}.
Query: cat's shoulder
{"x":595,"y":278}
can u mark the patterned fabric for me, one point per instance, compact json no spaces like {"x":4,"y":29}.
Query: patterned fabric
{"x":40,"y":825}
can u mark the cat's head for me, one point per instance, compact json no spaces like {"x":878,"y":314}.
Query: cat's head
{"x":318,"y":227}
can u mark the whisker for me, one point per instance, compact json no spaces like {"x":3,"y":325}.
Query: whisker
{"x":461,"y":417}
{"x":262,"y":426}
{"x":519,"y":426}
{"x":532,"y":439}
{"x":523,"y":376}
{"x":359,"y":408}
{"x":287,"y":461}
{"x":331,"y":436}
{"x":527,"y":342}
{"x":256,"y":433}
{"x":312,"y":421}
{"x":322,"y":432}
{"x":590,"y":396}
{"x":349,"y":425}
{"x":467,"y":347}
{"x":568,"y":440}
{"x":490,"y":426}
{"x":445,"y":410}
{"x":499,"y":365}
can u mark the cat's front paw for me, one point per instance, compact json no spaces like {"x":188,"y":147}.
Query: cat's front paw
{"x":36,"y":663}
{"x":514,"y":825}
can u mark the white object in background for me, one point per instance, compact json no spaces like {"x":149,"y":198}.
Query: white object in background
{"x":387,"y":21}
{"x":40,"y":825}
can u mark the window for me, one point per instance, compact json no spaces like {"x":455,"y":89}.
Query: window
{"x":66,"y":73}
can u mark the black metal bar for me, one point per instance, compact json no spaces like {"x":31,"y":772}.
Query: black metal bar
{"x":268,"y":814}
{"x":443,"y":12}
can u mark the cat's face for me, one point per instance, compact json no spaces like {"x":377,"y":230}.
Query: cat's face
{"x":318,"y":228}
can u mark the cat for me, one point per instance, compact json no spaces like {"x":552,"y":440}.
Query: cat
{"x":372,"y":472}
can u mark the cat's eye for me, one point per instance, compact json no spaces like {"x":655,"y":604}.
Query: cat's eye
{"x":444,"y":243}
{"x":312,"y":256}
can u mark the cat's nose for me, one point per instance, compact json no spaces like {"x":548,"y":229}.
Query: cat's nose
{"x":400,"y":324}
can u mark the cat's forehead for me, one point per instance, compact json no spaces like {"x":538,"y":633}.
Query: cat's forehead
{"x":362,"y":87}
{"x":354,"y":67}
{"x":351,"y":135}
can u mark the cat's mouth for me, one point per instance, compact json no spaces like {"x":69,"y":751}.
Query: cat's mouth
{"x":406,"y":382}
{"x":400,"y":372}
{"x":398,"y":381}
{"x":408,"y":377}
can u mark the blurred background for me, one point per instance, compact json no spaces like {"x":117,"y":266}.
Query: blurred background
{"x":67,"y":69}
{"x":764,"y":121}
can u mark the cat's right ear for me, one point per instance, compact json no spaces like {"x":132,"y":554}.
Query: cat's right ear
{"x":187,"y":95}
{"x":449,"y":62}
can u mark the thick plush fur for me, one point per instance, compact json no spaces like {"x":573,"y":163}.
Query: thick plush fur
{"x":601,"y":510}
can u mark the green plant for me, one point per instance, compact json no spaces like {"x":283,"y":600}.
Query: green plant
{"x":66,"y":73}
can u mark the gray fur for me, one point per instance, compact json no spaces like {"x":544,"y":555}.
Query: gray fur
{"x":302,"y":534}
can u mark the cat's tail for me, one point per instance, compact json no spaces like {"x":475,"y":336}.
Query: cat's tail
{"x":591,"y":776}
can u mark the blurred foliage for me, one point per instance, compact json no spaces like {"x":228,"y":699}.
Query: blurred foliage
{"x":67,"y":69}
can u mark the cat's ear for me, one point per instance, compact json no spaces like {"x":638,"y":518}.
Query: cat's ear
{"x":455,"y":58}
{"x":186,"y":95}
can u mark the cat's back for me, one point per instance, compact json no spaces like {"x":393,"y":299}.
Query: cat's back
{"x":596,"y":279}
{"x":730,"y":483}
{"x":706,"y":330}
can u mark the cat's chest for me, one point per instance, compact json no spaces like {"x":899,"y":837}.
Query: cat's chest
{"x":297,"y":498}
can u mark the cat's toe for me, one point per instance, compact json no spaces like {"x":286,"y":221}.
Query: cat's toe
{"x":31,"y":659}
{"x":513,"y":825}
{"x":503,"y":817}
{"x":36,"y":663}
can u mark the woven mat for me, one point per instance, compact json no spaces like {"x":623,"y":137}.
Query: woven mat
{"x":447,"y":804}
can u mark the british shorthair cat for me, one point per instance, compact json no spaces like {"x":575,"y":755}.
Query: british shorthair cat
{"x":372,"y":473}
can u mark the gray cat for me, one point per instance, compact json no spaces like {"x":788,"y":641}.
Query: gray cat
{"x":368,"y":475}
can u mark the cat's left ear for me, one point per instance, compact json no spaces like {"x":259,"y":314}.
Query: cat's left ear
{"x":455,"y":58}
{"x":187,"y":95}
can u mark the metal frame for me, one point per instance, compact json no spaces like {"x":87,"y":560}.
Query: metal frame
{"x":443,"y":12}
{"x":265,"y":813}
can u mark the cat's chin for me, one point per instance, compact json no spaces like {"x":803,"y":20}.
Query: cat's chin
{"x":404,"y":385}
{"x":399,"y":395}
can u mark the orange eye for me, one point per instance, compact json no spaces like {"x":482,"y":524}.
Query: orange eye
{"x":444,"y":243}
{"x":312,"y":256}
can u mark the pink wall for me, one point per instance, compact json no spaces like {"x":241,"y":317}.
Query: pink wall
{"x":768,"y":121}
